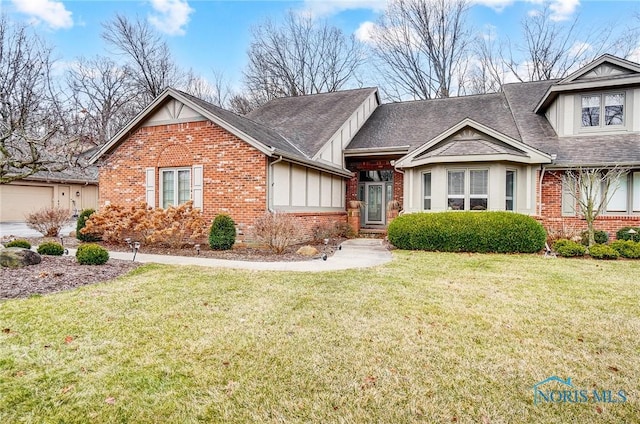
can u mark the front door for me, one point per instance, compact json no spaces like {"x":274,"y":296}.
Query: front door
{"x":374,"y":204}
{"x":64,"y":193}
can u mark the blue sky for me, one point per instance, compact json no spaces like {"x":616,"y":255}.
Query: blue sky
{"x":216,"y":34}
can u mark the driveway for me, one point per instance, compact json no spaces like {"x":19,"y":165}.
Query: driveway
{"x":20,"y":229}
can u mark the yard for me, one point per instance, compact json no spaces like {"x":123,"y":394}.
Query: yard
{"x":428,"y":338}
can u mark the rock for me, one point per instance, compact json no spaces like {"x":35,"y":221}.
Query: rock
{"x":17,"y":257}
{"x":307,"y":251}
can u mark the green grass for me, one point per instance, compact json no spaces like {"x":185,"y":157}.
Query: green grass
{"x":428,"y":338}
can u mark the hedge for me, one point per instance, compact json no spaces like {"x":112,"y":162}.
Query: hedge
{"x":92,"y":254}
{"x":51,"y":248}
{"x":599,"y":236}
{"x":222,"y":235}
{"x":82,"y":222}
{"x":603,"y":251}
{"x":499,"y":232}
{"x":19,"y":243}
{"x":623,"y":234}
{"x":569,"y":248}
{"x":627,"y":248}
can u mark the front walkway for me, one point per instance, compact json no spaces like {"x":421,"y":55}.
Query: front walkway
{"x":356,"y":253}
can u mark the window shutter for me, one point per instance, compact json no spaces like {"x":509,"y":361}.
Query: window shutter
{"x":197,"y":186}
{"x":150,"y":186}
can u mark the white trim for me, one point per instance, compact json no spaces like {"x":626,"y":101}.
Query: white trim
{"x":150,"y":186}
{"x":176,"y":184}
{"x":197,"y":184}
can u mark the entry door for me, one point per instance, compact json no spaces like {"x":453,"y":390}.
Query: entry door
{"x":374,"y":203}
{"x":63,"y":196}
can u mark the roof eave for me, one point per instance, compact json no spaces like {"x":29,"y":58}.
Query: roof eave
{"x":312,"y":164}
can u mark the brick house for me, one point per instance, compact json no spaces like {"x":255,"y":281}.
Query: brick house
{"x":311,"y":155}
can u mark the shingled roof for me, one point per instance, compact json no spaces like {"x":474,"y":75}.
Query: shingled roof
{"x":537,"y":132}
{"x":310,"y":121}
{"x":414,"y":123}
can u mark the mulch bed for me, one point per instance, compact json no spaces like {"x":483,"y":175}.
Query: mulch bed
{"x":57,"y":273}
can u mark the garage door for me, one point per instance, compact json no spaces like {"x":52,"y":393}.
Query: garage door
{"x":18,"y":200}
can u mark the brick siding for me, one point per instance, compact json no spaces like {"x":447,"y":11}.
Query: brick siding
{"x":556,"y":224}
{"x":372,"y":165}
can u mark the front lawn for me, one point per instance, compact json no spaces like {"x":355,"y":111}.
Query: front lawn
{"x":428,"y":338}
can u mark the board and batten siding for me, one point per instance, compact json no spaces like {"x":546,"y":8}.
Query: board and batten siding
{"x":332,"y":151}
{"x":296,"y":188}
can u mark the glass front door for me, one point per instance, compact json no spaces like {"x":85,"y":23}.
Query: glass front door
{"x":374,"y":203}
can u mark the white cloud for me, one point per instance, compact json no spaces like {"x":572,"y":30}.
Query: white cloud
{"x":52,"y":12}
{"x":322,"y":8}
{"x":172,"y":16}
{"x":563,"y":9}
{"x":497,"y":5}
{"x":364,"y":32}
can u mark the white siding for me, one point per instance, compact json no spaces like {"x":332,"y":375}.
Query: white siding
{"x":298,"y":186}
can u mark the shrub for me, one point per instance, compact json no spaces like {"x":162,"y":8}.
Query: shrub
{"x":600,"y":237}
{"x":501,"y":232}
{"x":222,"y":235}
{"x":51,"y":248}
{"x":171,"y":227}
{"x":336,"y":229}
{"x":602,"y":251}
{"x":343,"y":229}
{"x":49,"y":221}
{"x":569,"y":248}
{"x":627,"y":248}
{"x":623,"y":234}
{"x":19,"y":243}
{"x":92,"y":254}
{"x":82,"y":222}
{"x":277,"y":230}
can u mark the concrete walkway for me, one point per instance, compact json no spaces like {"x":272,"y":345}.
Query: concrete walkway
{"x":356,"y":253}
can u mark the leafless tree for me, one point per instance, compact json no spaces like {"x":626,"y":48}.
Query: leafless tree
{"x":32,"y":132}
{"x":422,"y":47}
{"x":103,"y":97}
{"x":215,"y":91}
{"x":148,"y":55}
{"x":553,"y":49}
{"x":592,"y":188}
{"x":302,"y":56}
{"x":488,"y":71}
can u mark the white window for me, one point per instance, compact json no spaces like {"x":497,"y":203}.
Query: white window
{"x":426,"y":190}
{"x":593,"y":104}
{"x":624,"y":195}
{"x":175,"y":186}
{"x":468,"y":189}
{"x":510,"y":190}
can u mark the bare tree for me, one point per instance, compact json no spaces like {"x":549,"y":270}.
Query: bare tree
{"x":488,"y":72}
{"x":32,"y":132}
{"x":215,"y":91}
{"x":149,"y":57}
{"x":422,"y":47}
{"x":592,"y":189}
{"x":303,"y":56}
{"x":102,"y":95}
{"x":553,"y":49}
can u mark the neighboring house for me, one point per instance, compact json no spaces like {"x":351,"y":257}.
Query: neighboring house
{"x":73,"y":189}
{"x":311,"y":155}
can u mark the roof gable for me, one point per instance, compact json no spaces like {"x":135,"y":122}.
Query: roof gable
{"x":470,"y":141}
{"x":606,"y":66}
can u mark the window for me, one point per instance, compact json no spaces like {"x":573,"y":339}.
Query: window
{"x":624,"y":195}
{"x":426,"y":189}
{"x":471,"y":196}
{"x":381,"y":175}
{"x":592,"y":106}
{"x":176,"y":186}
{"x":509,"y":191}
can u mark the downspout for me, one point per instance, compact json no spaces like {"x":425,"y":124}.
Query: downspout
{"x":543,"y":169}
{"x":270,"y":185}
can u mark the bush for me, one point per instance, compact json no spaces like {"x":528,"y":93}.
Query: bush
{"x":569,"y":248}
{"x":92,"y":254}
{"x":82,"y":222}
{"x":222,"y":235}
{"x":602,"y":251}
{"x":172,"y":227}
{"x":601,"y":237}
{"x":623,"y":234}
{"x":19,"y":243}
{"x":627,"y":248}
{"x":337,"y":229}
{"x":501,"y":232}
{"x":49,"y":221}
{"x":277,"y":230}
{"x":51,"y":248}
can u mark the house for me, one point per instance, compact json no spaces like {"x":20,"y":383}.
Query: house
{"x":311,"y":155}
{"x":74,"y":189}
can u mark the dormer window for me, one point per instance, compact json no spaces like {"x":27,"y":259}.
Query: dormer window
{"x":594,"y":104}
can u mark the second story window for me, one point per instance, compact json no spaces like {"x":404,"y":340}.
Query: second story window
{"x":594,"y":105}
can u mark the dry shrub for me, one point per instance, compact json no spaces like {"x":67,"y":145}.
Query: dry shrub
{"x":173,"y":227}
{"x":277,"y":230}
{"x":49,"y":221}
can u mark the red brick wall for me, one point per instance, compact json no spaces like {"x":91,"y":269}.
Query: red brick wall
{"x":556,"y":224}
{"x":234,"y":172}
{"x":311,"y":220}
